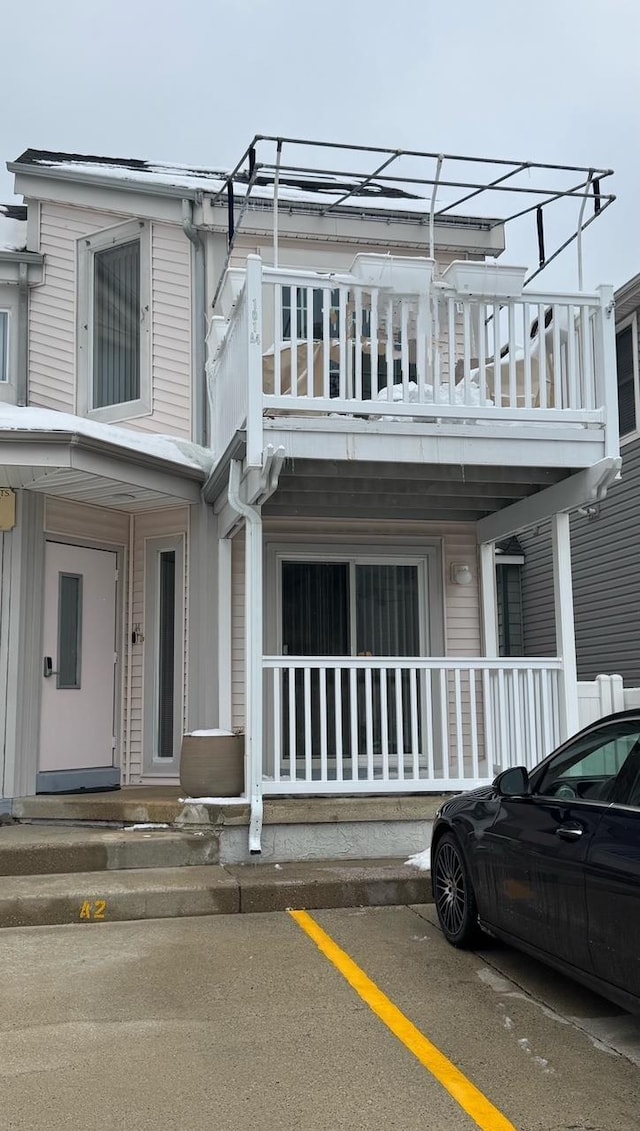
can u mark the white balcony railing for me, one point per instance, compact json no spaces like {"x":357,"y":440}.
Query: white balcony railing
{"x":300,"y":343}
{"x":406,"y":725}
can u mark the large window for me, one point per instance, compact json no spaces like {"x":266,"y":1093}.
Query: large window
{"x":114,"y":325}
{"x":627,"y":369}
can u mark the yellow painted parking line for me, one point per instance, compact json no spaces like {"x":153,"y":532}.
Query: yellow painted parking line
{"x":470,"y":1098}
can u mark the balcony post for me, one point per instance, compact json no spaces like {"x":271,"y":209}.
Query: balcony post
{"x":605,"y":358}
{"x":254,"y":361}
{"x":565,"y":630}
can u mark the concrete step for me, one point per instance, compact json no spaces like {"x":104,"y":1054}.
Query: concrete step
{"x":160,"y":893}
{"x":44,"y":850}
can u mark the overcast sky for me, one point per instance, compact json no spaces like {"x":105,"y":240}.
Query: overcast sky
{"x":193,"y":81}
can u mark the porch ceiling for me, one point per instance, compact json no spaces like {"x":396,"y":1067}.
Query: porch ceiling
{"x":331,"y":489}
{"x":91,"y":473}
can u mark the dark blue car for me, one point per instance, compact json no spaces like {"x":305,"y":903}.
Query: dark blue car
{"x":549,"y":860}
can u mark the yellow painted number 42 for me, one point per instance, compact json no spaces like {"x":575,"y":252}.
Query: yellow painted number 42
{"x":95,"y":910}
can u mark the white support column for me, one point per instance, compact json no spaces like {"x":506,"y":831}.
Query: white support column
{"x":565,"y":631}
{"x":225,"y":658}
{"x":606,"y":373}
{"x":254,"y":361}
{"x":253,"y":652}
{"x":489,"y":599}
{"x":202,"y":698}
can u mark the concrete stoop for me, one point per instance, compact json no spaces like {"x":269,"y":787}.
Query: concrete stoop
{"x":146,"y":854}
{"x":294,"y":828}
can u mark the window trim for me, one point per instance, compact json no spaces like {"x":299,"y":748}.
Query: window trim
{"x":4,"y":381}
{"x":87,"y":247}
{"x":427,"y":556}
{"x":632,"y":321}
{"x":153,"y":763}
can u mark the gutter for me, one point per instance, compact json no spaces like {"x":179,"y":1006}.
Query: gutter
{"x":199,"y":325}
{"x":253,"y":652}
{"x":23,"y":334}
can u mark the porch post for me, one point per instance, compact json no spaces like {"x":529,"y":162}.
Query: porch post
{"x":565,"y":631}
{"x":22,"y":589}
{"x":202,"y":697}
{"x":253,"y":298}
{"x":225,"y":659}
{"x":489,"y":599}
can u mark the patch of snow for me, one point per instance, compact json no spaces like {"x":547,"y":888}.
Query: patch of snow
{"x":145,"y":826}
{"x":169,"y":448}
{"x":13,"y":233}
{"x":210,"y":734}
{"x":421,"y":860}
{"x":213,"y":800}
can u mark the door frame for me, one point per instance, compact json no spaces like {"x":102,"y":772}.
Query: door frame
{"x":427,"y":555}
{"x":100,"y":778}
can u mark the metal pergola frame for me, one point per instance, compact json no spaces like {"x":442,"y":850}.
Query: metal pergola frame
{"x":380,"y":185}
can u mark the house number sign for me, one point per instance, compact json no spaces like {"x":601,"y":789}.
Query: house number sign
{"x":7,"y":509}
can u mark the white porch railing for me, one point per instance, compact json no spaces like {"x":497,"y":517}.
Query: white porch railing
{"x":331,"y":345}
{"x":404,"y":725}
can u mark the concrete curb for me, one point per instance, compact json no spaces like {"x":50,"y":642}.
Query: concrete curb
{"x":158,"y":893}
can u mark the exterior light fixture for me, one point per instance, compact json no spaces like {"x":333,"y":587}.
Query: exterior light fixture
{"x":461,"y":573}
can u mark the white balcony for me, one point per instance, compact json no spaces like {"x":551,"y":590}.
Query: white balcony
{"x":459,"y":370}
{"x":335,"y":725}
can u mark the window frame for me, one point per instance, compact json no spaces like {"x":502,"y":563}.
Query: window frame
{"x":573,"y":751}
{"x":103,"y":240}
{"x":632,"y":321}
{"x":4,"y":381}
{"x":153,"y":762}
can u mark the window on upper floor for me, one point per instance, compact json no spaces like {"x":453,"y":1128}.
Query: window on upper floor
{"x":627,"y":369}
{"x":4,"y":345}
{"x":113,"y":302}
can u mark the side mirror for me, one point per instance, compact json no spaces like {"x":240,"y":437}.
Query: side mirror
{"x":513,"y":782}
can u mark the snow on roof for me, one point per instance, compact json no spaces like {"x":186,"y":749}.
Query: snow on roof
{"x":321,"y":188}
{"x":13,"y":227}
{"x":169,"y":448}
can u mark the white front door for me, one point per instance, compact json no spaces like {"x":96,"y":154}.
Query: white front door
{"x":79,"y":664}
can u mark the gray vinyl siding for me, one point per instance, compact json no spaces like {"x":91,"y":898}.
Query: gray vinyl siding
{"x":606,"y":582}
{"x":537,"y":592}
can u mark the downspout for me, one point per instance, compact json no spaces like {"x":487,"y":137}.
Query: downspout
{"x":253,"y":648}
{"x":199,"y":324}
{"x":23,"y":337}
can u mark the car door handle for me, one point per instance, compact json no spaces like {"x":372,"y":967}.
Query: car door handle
{"x":569,"y":832}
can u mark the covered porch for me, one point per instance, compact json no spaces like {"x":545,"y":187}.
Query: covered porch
{"x":367,"y":650}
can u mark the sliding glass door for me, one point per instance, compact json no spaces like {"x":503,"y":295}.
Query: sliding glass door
{"x":360,"y":608}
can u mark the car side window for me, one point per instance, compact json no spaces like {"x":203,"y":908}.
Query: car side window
{"x":589,"y":767}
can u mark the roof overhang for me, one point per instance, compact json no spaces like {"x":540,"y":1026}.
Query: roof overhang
{"x":21,"y":266}
{"x":86,"y":470}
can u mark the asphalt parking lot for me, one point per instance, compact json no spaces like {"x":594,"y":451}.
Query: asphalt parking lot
{"x":243,"y":1021}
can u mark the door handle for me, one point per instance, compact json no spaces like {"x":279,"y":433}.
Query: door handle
{"x":47,"y":667}
{"x":569,"y":832}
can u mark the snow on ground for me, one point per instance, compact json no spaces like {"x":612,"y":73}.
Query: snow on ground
{"x":170,"y":448}
{"x":421,"y":860}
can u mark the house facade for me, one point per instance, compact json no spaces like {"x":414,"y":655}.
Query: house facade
{"x":275,"y":425}
{"x":606,"y":575}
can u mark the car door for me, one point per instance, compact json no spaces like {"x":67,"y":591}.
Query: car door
{"x":534,"y":853}
{"x":613,"y":886}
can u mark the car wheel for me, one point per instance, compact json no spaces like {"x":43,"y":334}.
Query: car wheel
{"x":453,"y":894}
